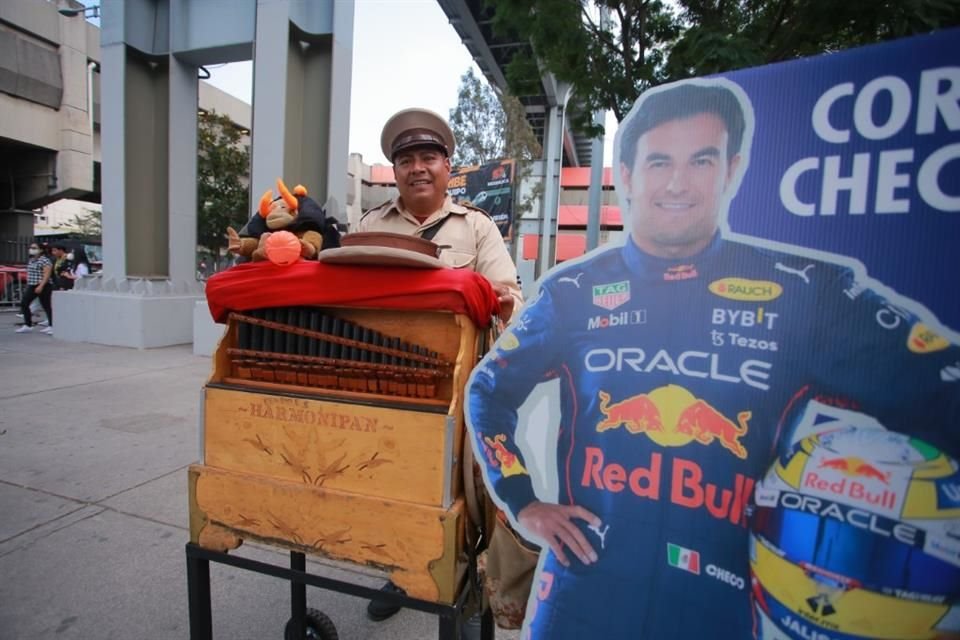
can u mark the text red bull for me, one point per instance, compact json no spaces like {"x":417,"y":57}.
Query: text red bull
{"x":687,"y":486}
{"x":850,"y":487}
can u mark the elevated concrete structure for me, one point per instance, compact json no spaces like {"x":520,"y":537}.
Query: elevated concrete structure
{"x":50,"y":147}
{"x":151,"y":51}
{"x":49,"y":129}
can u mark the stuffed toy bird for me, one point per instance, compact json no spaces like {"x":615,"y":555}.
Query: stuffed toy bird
{"x":295,"y":212}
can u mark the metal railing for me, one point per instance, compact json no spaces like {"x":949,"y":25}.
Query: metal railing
{"x":13,"y":282}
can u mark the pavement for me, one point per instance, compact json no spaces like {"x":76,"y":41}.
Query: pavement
{"x":95,"y":442}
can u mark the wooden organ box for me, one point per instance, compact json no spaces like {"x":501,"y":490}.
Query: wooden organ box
{"x":338,"y":431}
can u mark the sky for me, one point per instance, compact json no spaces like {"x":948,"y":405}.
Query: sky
{"x":419,"y":68}
{"x":405,"y":54}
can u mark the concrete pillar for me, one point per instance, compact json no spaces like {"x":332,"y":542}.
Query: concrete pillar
{"x":301,"y":123}
{"x":553,"y":161}
{"x":151,"y":50}
{"x":182,"y":221}
{"x":269,"y":95}
{"x":146,"y":139}
{"x":113,"y":109}
{"x":74,"y":164}
{"x":596,"y":185}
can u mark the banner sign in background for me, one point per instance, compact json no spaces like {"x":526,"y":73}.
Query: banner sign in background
{"x":645,"y":391}
{"x":858,"y":154}
{"x":488,"y":186}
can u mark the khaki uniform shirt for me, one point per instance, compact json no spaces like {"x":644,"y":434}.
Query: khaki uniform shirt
{"x":470,"y":239}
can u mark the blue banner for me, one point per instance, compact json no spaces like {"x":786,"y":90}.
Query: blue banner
{"x":858,"y":153}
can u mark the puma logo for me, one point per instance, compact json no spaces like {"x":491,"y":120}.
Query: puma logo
{"x":575,"y":280}
{"x":800,"y":273}
{"x":600,"y":534}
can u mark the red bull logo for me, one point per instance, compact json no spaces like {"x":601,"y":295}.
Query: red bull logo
{"x":671,"y":416}
{"x":856,"y":485}
{"x":705,"y":425}
{"x":508,"y":462}
{"x":680,"y":272}
{"x":855,"y":467}
{"x":637,"y":414}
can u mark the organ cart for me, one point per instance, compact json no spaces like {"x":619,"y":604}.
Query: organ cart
{"x":332,"y":425}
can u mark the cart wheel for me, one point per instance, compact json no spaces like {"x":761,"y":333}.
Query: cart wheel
{"x":319,"y":627}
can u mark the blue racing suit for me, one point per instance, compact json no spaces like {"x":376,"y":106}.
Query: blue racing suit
{"x":678,"y":379}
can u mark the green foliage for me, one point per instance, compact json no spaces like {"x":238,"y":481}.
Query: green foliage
{"x":477,"y":122}
{"x":223,"y":167}
{"x":521,"y":144}
{"x":649,"y":42}
{"x":488,"y":128}
{"x":87,"y":224}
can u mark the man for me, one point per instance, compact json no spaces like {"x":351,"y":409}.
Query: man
{"x":678,"y":356}
{"x":419,"y":143}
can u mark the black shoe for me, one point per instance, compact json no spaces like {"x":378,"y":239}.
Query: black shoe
{"x":379,"y":610}
{"x":470,"y":628}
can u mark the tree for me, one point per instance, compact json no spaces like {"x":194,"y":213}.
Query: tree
{"x":491,"y":127}
{"x":87,"y":224}
{"x":648,"y":42}
{"x":521,"y":144}
{"x":223,"y":167}
{"x":478,"y":122}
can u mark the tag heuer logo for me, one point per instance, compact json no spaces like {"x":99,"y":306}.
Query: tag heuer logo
{"x":611,"y":295}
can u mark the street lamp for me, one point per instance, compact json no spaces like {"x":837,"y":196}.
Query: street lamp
{"x":73,"y":13}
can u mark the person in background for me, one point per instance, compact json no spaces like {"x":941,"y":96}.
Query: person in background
{"x":39,"y":286}
{"x":80,"y":265}
{"x":61,"y":266}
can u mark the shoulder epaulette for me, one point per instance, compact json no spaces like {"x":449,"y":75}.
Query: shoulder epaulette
{"x":379,"y":206}
{"x":467,"y":205}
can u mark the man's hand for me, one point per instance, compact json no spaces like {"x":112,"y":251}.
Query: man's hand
{"x":38,"y":289}
{"x":506,"y":301}
{"x":554,"y":524}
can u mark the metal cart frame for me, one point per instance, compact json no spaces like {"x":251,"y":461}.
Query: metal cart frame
{"x":198,"y":588}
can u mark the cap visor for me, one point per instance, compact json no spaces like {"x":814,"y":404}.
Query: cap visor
{"x":380,"y":256}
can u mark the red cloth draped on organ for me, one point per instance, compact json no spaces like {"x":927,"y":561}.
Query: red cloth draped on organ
{"x":257,"y":285}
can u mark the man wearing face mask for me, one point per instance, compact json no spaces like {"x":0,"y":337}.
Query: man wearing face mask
{"x":39,"y":286}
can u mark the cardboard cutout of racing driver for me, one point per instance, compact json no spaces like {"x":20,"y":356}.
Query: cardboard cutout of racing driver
{"x":625,"y":417}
